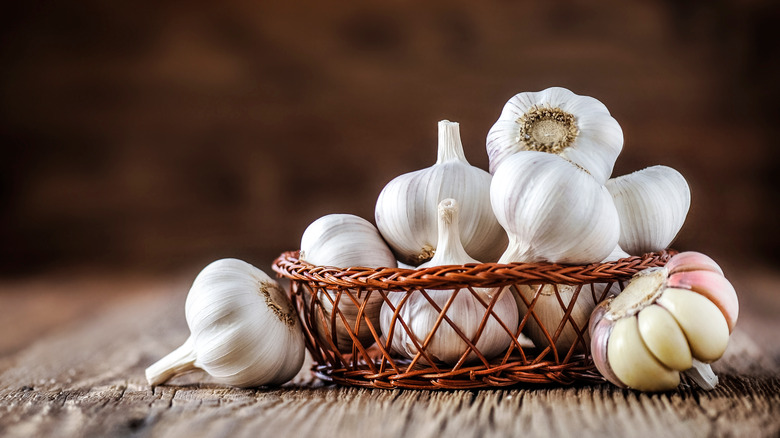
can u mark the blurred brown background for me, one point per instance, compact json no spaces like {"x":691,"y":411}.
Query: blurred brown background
{"x":158,"y":136}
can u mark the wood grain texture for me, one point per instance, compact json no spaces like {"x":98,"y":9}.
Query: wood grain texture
{"x":81,"y":374}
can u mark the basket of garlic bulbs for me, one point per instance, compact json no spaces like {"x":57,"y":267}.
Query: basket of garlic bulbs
{"x":486,"y":279}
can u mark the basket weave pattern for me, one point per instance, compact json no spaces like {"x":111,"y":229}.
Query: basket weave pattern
{"x":321,"y":295}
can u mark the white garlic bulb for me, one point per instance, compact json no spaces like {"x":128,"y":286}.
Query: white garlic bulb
{"x":344,"y":241}
{"x":552,"y":211}
{"x":464,"y":309}
{"x":557,"y":121}
{"x":243,"y":329}
{"x":406,"y":208}
{"x":652,"y":204}
{"x":551,"y":314}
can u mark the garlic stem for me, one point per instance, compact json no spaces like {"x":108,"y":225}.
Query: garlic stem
{"x":449,"y":249}
{"x":450,"y":145}
{"x":702,"y":374}
{"x":176,"y":362}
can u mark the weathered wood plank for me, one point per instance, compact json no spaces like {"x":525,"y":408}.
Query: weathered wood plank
{"x":85,"y":378}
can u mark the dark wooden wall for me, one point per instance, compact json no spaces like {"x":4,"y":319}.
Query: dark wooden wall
{"x":160,"y":135}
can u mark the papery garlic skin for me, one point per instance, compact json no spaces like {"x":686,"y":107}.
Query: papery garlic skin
{"x":652,"y":204}
{"x":244,"y":330}
{"x":344,"y":241}
{"x":464,"y":310}
{"x":645,"y":336}
{"x":406,"y":208}
{"x":555,"y":120}
{"x":552,"y":211}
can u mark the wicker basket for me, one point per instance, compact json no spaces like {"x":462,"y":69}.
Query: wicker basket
{"x":369,"y":362}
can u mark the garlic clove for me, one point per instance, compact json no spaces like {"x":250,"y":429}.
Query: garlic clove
{"x":633,"y":363}
{"x":600,"y":331}
{"x":713,"y":286}
{"x":557,"y":121}
{"x":652,"y":204}
{"x":692,"y":261}
{"x":552,"y":211}
{"x":664,"y":338}
{"x":702,"y":322}
{"x":406,"y":208}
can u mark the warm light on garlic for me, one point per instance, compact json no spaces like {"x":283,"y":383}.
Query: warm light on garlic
{"x":344,"y":241}
{"x":406,"y":208}
{"x":552,"y":211}
{"x":243,"y":329}
{"x":652,"y":204}
{"x":557,"y":121}
{"x":464,"y":309}
{"x":666,"y":320}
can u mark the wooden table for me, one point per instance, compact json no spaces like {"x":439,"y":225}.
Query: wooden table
{"x":73,"y":350}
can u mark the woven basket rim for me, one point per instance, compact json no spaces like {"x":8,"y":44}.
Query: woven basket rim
{"x":290,"y":266}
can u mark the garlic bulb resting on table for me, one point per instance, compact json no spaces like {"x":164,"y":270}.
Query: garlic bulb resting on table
{"x":557,"y":121}
{"x":344,"y":241}
{"x":552,"y":211}
{"x":652,"y":204}
{"x":666,"y":320}
{"x":406,"y":208}
{"x":464,"y":310}
{"x":243,"y":329}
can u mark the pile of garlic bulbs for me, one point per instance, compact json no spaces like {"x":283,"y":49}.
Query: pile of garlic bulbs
{"x":549,"y":197}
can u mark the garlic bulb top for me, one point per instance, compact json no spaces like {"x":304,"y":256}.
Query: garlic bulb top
{"x":344,"y":241}
{"x":552,"y":211}
{"x":557,"y":121}
{"x":652,"y":204}
{"x":244,"y":331}
{"x":464,"y":309}
{"x":406,"y":208}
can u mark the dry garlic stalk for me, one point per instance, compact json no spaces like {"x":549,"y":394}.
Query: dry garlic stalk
{"x":557,"y":121}
{"x":406,"y":209}
{"x":464,"y":309}
{"x":652,"y":204}
{"x":243,"y":329}
{"x":666,"y":320}
{"x":344,"y":241}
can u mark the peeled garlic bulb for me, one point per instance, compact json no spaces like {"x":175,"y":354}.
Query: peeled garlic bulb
{"x":244,"y":331}
{"x":557,"y":121}
{"x":406,"y":208}
{"x":442,"y":343}
{"x":658,"y":326}
{"x":552,"y":211}
{"x":652,"y":204}
{"x":344,"y":241}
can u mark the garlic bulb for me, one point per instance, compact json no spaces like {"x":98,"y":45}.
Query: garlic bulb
{"x":344,"y":241}
{"x":464,"y":310}
{"x":652,"y":204}
{"x":666,"y":320}
{"x":557,"y":121}
{"x":244,"y":330}
{"x":550,"y":312}
{"x":552,"y":211}
{"x":406,"y":208}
